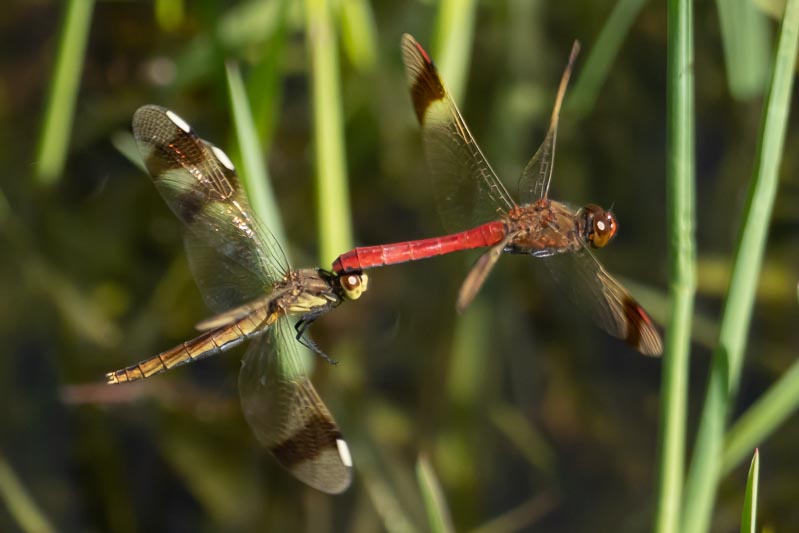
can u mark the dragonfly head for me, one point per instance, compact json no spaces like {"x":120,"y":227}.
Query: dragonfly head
{"x":600,"y":225}
{"x":353,"y":284}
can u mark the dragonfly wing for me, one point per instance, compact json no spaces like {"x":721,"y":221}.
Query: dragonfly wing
{"x":287,"y":416}
{"x":537,"y":175}
{"x":478,"y":274}
{"x":232,"y":256}
{"x":468,"y":191}
{"x":612,"y":307}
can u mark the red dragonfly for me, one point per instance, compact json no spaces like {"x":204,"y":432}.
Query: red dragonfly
{"x":471,"y":195}
{"x":243,"y":275}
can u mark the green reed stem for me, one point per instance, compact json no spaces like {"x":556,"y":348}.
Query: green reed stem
{"x":63,"y":93}
{"x":705,"y":471}
{"x":332,"y":199}
{"x":682,"y":253}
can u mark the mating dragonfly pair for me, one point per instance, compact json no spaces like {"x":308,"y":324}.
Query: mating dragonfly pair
{"x":243,"y":273}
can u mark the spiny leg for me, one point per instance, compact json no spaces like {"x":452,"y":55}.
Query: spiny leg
{"x":301,"y":326}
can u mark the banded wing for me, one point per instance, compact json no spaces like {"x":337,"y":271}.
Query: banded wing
{"x":233,"y":258}
{"x":537,"y":175}
{"x":287,"y":416}
{"x":604,"y":299}
{"x":467,"y":189}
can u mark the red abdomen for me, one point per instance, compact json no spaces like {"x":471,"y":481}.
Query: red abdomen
{"x":391,"y":254}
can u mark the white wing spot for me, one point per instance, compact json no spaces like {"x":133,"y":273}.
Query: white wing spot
{"x":600,"y":226}
{"x":223,"y":158}
{"x":179,"y":122}
{"x":344,"y":452}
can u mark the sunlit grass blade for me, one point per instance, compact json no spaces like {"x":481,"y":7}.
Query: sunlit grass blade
{"x":332,"y":192}
{"x":749,"y":513}
{"x":20,"y":505}
{"x":680,"y":174}
{"x":253,"y":172}
{"x":745,"y":36}
{"x":527,"y":439}
{"x":773,"y":408}
{"x":438,"y":516}
{"x":601,"y":55}
{"x":359,"y":33}
{"x":264,"y":83}
{"x":63,"y":91}
{"x":705,"y":471}
{"x":452,"y":43}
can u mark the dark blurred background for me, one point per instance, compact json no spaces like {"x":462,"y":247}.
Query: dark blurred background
{"x":531,"y":417}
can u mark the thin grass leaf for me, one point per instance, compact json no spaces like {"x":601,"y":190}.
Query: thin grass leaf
{"x":453,"y":42}
{"x":681,"y":169}
{"x":332,"y":197}
{"x":705,"y":471}
{"x":359,"y":34}
{"x":253,"y":172}
{"x":264,"y":86}
{"x":19,"y":503}
{"x":762,"y":418}
{"x":745,"y":36}
{"x":438,"y":515}
{"x":63,"y":91}
{"x":601,"y":56}
{"x":749,"y":513}
{"x":512,"y":423}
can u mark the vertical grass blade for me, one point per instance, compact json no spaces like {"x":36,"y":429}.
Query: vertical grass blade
{"x":453,"y":42}
{"x":762,"y":418}
{"x":332,"y":200}
{"x":681,"y":170}
{"x":745,"y":36}
{"x":601,"y":55}
{"x":705,"y":471}
{"x":19,"y":503}
{"x":253,"y":172}
{"x":749,"y":513}
{"x":438,"y":517}
{"x":60,"y":110}
{"x":264,"y":85}
{"x":359,"y":33}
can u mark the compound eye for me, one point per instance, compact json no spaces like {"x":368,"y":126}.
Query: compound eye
{"x":603,"y":226}
{"x":354,"y":285}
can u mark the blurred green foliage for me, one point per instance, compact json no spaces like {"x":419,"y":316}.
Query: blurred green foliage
{"x":528,"y":416}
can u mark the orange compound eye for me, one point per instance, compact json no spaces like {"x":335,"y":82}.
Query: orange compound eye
{"x":354,"y":284}
{"x":601,"y":225}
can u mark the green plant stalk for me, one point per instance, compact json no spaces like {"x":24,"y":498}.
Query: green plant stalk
{"x":453,"y":42}
{"x":359,"y":34}
{"x":745,"y":36}
{"x":264,"y":86}
{"x":20,"y":505}
{"x":705,"y":471}
{"x":332,"y":200}
{"x":761,"y":419}
{"x":601,"y":55}
{"x":681,"y":170}
{"x":253,"y":172}
{"x":63,"y":93}
{"x":749,"y":513}
{"x":438,"y":516}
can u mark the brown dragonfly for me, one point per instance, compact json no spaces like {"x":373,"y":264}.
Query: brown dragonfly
{"x":470,"y":195}
{"x":244,"y":275}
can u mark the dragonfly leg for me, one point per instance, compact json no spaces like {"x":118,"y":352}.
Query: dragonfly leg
{"x":301,"y":326}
